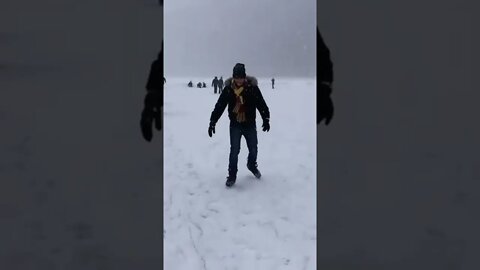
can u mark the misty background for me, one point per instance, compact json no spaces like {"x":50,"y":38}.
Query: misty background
{"x":271,"y":37}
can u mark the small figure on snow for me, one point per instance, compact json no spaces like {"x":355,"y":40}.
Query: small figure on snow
{"x":220,"y":85}
{"x":190,"y":84}
{"x":204,"y":85}
{"x":273,"y":83}
{"x":215,"y":84}
{"x":199,"y":85}
{"x":243,"y":97}
{"x":325,"y":78}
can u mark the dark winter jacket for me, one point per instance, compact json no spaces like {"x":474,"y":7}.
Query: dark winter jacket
{"x":215,"y":82}
{"x":155,"y":77}
{"x":325,"y":108}
{"x":324,"y":63}
{"x":253,"y":100}
{"x":155,"y":82}
{"x":153,"y":101}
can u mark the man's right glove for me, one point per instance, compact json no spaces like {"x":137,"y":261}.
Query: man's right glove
{"x":211,"y":129}
{"x":325,"y":103}
{"x":266,"y":125}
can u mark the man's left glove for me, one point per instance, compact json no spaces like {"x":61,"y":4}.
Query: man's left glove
{"x":266,"y":125}
{"x":151,"y":112}
{"x":211,"y":129}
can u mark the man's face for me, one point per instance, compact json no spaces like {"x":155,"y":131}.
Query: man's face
{"x":239,"y":81}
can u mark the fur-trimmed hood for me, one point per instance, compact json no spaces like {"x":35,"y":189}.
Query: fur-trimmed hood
{"x":250,"y":80}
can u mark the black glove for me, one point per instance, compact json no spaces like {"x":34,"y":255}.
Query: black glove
{"x":266,"y":125}
{"x":151,"y":112}
{"x":325,"y":104}
{"x":211,"y":129}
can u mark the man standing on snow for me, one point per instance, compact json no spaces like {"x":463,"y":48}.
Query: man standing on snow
{"x":325,"y":79}
{"x":215,"y":84}
{"x":220,"y":85}
{"x":273,"y":83}
{"x":243,"y":97}
{"x":153,"y":102}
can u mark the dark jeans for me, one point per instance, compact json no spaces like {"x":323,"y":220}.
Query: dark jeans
{"x":250,"y":134}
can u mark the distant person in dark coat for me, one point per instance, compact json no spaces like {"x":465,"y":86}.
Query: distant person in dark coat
{"x":273,"y":83}
{"x":220,"y":85}
{"x":324,"y":82}
{"x":190,"y":84}
{"x":215,"y":84}
{"x":204,"y":85}
{"x":153,"y":102}
{"x":199,"y":85}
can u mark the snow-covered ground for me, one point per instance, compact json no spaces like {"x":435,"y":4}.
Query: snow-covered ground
{"x":257,"y":224}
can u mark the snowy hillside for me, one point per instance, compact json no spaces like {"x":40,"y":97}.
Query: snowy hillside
{"x":258,"y":224}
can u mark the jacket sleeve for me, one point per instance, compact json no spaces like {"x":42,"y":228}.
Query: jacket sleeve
{"x":155,"y":84}
{"x":155,"y":77}
{"x":220,"y":106}
{"x":324,"y":62}
{"x":261,"y":104}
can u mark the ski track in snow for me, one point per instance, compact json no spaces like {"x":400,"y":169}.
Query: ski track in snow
{"x":257,"y":224}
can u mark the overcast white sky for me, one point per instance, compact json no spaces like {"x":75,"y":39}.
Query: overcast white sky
{"x":272,"y":37}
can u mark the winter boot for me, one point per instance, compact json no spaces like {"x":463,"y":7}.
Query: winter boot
{"x":231,"y":178}
{"x":253,"y":168}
